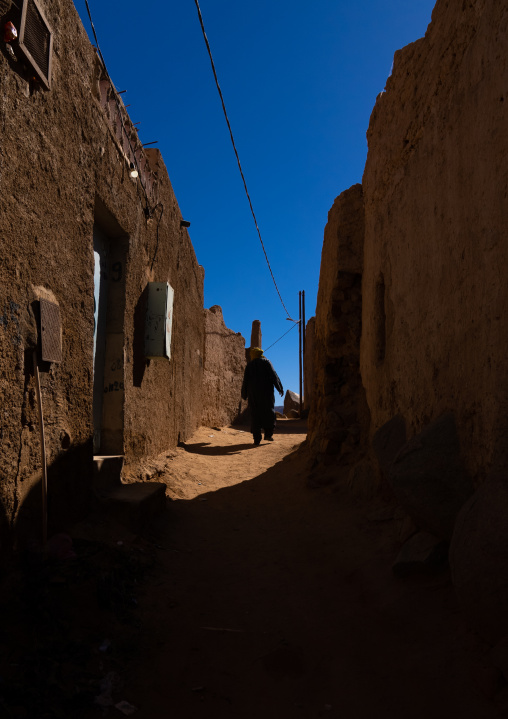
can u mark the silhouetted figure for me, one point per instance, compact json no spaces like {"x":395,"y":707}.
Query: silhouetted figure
{"x":259,"y":381}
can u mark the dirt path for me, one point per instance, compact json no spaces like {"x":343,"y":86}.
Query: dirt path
{"x":275,"y":600}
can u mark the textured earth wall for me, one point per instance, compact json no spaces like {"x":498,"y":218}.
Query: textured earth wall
{"x":224,"y":365}
{"x":435,"y":326}
{"x":308,"y":363}
{"x":62,"y":171}
{"x":337,"y":419}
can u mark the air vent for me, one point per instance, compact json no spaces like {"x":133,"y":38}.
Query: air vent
{"x":36,"y":40}
{"x":51,"y":342}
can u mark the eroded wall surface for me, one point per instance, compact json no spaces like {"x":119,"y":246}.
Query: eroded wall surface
{"x":435,"y":185}
{"x":224,"y":365}
{"x":63,"y":177}
{"x":337,"y":418}
{"x":308,"y":363}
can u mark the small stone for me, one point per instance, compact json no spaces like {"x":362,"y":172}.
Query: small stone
{"x":126,"y":708}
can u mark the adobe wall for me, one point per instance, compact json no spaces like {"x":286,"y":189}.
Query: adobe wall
{"x":435,"y":185}
{"x":308,"y":363}
{"x":337,"y":418}
{"x":224,"y":365}
{"x":62,"y":169}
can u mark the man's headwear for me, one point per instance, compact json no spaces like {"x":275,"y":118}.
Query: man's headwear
{"x":255,"y":352}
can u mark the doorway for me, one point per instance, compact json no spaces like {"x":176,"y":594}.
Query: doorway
{"x":108,"y":363}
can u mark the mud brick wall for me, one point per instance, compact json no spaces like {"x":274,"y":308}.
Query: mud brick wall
{"x":308,"y":363}
{"x":64,"y":177}
{"x":337,"y":419}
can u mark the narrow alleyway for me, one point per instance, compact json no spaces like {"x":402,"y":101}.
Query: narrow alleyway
{"x":274,"y":599}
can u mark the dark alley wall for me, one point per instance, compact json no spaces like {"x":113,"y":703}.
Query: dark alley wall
{"x":435,"y":188}
{"x":432,"y":254}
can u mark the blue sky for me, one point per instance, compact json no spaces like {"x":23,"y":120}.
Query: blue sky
{"x":299,"y":81}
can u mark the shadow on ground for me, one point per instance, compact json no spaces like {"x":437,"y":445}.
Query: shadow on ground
{"x":282,"y":426}
{"x":263,"y":599}
{"x":277,"y":600}
{"x":214,"y":450}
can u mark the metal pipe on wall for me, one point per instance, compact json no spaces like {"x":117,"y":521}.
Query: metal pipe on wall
{"x":303,"y":345}
{"x":300,"y":347}
{"x":43,"y":454}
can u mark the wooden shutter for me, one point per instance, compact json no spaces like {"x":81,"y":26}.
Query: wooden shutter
{"x":36,"y":40}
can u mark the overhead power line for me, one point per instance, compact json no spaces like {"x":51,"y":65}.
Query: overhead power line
{"x":236,"y":152}
{"x":285,"y":333}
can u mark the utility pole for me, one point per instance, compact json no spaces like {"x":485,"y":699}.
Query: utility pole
{"x":303,"y":349}
{"x":303,"y":338}
{"x":300,"y":347}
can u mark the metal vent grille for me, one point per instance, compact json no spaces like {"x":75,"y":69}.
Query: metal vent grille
{"x":36,"y":40}
{"x":51,"y":344}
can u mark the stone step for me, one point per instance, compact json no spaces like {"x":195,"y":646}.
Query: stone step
{"x":134,"y":505}
{"x":107,"y":471}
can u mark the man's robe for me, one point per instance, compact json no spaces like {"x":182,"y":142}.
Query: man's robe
{"x":259,"y":381}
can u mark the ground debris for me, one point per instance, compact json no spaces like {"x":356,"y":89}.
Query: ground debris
{"x":125,"y":708}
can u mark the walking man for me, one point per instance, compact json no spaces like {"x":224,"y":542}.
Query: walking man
{"x":259,"y":381}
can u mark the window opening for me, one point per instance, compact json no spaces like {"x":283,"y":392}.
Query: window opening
{"x":108,"y":381}
{"x":36,"y":40}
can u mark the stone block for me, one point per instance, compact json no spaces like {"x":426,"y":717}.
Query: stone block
{"x":291,"y":401}
{"x":421,"y":553}
{"x":134,"y":505}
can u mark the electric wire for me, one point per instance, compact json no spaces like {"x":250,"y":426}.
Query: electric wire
{"x":151,"y":210}
{"x":285,"y":333}
{"x":235,"y":150}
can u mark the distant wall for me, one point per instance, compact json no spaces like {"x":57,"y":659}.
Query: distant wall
{"x":435,"y":326}
{"x":224,"y":365}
